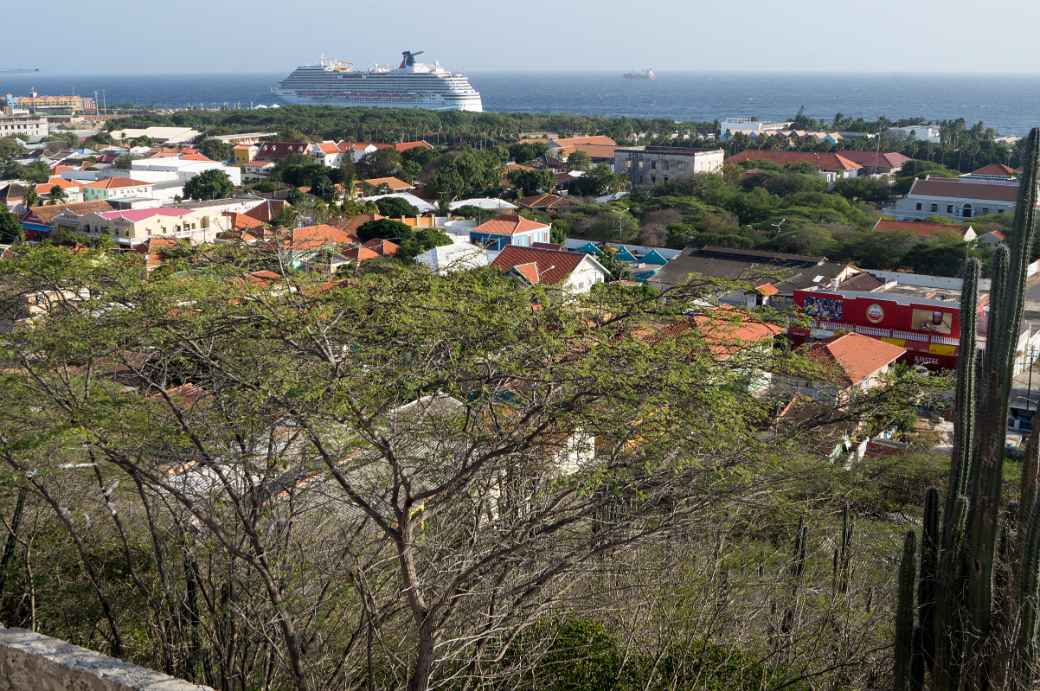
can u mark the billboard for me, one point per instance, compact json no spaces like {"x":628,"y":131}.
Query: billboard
{"x":931,"y":321}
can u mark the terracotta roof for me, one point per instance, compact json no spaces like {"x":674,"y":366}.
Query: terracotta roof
{"x":352,"y":224}
{"x":46,"y":187}
{"x":276,"y":151}
{"x":244,"y":222}
{"x":529,"y":271}
{"x":596,"y":146}
{"x":313,"y":237}
{"x":766,"y":289}
{"x":998,"y":169}
{"x":831,"y":163}
{"x":361,"y":254}
{"x":874,"y":159}
{"x":920,"y":228}
{"x":261,"y":279}
{"x":509,"y":225}
{"x":115,"y":183}
{"x":546,"y":201}
{"x":152,"y":249}
{"x":401,"y":147}
{"x":856,"y":356}
{"x":961,"y":188}
{"x":328,"y":147}
{"x":383,"y":248}
{"x":46,"y":214}
{"x":268,"y":210}
{"x":345,"y":146}
{"x":998,"y":234}
{"x":392,"y":183}
{"x":553,"y":266}
{"x":727,"y":330}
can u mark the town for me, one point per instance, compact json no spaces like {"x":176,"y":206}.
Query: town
{"x":460,"y":326}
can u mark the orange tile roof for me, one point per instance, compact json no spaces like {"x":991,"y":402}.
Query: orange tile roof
{"x":115,"y":183}
{"x":529,"y":271}
{"x":830,"y":163}
{"x":328,"y":147}
{"x":856,"y":356}
{"x":244,"y":222}
{"x":509,"y":225}
{"x":920,"y":228}
{"x":401,"y":147}
{"x":392,"y":183}
{"x":383,"y":248}
{"x":998,"y":169}
{"x":728,"y":330}
{"x":314,"y":237}
{"x":46,"y":187}
{"x":361,"y":254}
{"x":553,"y":266}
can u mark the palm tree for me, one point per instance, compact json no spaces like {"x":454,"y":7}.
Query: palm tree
{"x":56,"y":195}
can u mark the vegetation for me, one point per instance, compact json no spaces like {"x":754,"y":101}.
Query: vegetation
{"x":10,"y":227}
{"x":211,"y":184}
{"x":967,"y":617}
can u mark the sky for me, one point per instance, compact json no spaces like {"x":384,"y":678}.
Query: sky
{"x":221,"y":36}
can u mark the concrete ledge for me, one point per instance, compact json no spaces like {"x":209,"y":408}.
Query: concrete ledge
{"x":33,"y":661}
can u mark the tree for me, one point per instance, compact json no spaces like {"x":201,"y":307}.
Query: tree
{"x":418,"y":241}
{"x":210,"y":184}
{"x":527,"y":151}
{"x":10,"y":228}
{"x":215,"y":149}
{"x":579,"y":160}
{"x":384,"y":228}
{"x":612,"y":226}
{"x":466,"y":173}
{"x":380,"y":164}
{"x":56,"y":195}
{"x":324,"y":189}
{"x":533,"y":181}
{"x":395,"y":206}
{"x":31,"y":198}
{"x":596,"y":182}
{"x":10,"y":148}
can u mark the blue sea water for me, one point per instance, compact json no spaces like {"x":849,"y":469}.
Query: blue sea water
{"x":1008,"y":103}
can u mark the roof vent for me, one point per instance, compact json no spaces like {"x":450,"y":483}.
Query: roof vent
{"x":817,"y":279}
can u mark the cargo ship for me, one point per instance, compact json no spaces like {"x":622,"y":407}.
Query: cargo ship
{"x":641,"y":74}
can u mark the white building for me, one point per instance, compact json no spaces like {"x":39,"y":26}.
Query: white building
{"x":752,"y":127}
{"x":162,"y":135}
{"x":29,"y":126}
{"x":921,"y":133}
{"x":458,"y":256}
{"x":957,"y":198}
{"x":650,"y":165}
{"x":486,"y":203}
{"x":422,"y":205}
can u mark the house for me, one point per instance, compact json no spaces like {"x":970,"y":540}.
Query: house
{"x":505,"y":230}
{"x":388,"y":184}
{"x":153,"y":251}
{"x":162,"y":135}
{"x":401,"y":147}
{"x":771,"y":277}
{"x":994,"y":171}
{"x":318,"y":236}
{"x":548,"y":203}
{"x":877,"y":163}
{"x":925,"y":230}
{"x":327,"y":152}
{"x":485,"y":203}
{"x":356,"y":150}
{"x":650,"y":165}
{"x":920,"y":133}
{"x":31,"y":127}
{"x":571,"y":272}
{"x":599,"y":148}
{"x":749,"y":127}
{"x":71,"y":191}
{"x":458,"y":256}
{"x":848,"y":365}
{"x":832,"y":167}
{"x":421,"y":205}
{"x":279,"y":151}
{"x":957,"y":198}
{"x":242,"y":154}
{"x":257,"y":169}
{"x":40,"y":220}
{"x":133,"y":227}
{"x":116,"y":188}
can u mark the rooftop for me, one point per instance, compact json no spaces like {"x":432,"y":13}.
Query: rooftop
{"x":827,"y":162}
{"x":538,"y":266}
{"x":509,"y":225}
{"x":921,"y":228}
{"x":964,"y":188}
{"x":856,"y":356}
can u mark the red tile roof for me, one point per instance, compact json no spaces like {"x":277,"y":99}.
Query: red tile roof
{"x":46,"y":187}
{"x":552,"y":266}
{"x":727,"y":330}
{"x":920,"y":228}
{"x":509,"y":225}
{"x":392,"y":183}
{"x":115,"y":183}
{"x":244,"y":222}
{"x":383,"y":248}
{"x":328,"y":147}
{"x":401,"y":147}
{"x":874,"y":159}
{"x":831,"y":163}
{"x":856,"y":356}
{"x":961,"y":188}
{"x":361,"y":254}
{"x":999,"y":170}
{"x":276,"y":151}
{"x":596,"y":146}
{"x":313,"y":237}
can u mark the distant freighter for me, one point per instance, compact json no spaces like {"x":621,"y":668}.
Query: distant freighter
{"x":412,"y":85}
{"x":643,"y":74}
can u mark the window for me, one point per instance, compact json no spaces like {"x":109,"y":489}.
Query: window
{"x":653,"y":165}
{"x":949,"y":208}
{"x":934,"y":207}
{"x":919,"y":207}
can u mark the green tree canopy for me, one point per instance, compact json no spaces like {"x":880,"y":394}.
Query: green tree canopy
{"x":395,"y":206}
{"x":211,"y":184}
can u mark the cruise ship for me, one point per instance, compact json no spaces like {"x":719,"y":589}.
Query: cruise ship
{"x":412,"y":85}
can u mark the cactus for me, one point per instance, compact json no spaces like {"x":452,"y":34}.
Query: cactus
{"x":842,"y":562}
{"x":905,"y":613}
{"x":980,"y":568}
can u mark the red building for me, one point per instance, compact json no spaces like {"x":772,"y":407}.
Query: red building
{"x":924,"y":322}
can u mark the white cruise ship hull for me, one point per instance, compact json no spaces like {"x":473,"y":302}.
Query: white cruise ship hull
{"x":469,"y":104}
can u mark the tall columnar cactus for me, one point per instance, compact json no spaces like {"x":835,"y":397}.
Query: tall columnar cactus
{"x":842,"y":563}
{"x":967,"y":632}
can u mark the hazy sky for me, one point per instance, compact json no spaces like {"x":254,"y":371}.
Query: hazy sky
{"x":140,"y":36}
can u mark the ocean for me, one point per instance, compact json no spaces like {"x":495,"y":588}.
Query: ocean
{"x":1008,"y":103}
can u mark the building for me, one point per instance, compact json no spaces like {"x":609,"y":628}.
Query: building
{"x":387,"y":184}
{"x":71,"y":191}
{"x":957,"y":198}
{"x":750,"y":127}
{"x":159,"y":135}
{"x":242,"y":154}
{"x":771,"y":277}
{"x":832,"y":167}
{"x":257,"y":170}
{"x":877,"y":163}
{"x":247,"y":138}
{"x":571,"y":272}
{"x":599,"y":148}
{"x":420,"y":204}
{"x":401,"y":147}
{"x":921,"y":133}
{"x":994,"y":171}
{"x":850,"y":364}
{"x":458,"y":256}
{"x":116,"y":188}
{"x":357,"y":150}
{"x":279,"y":151}
{"x":502,"y":231}
{"x":925,"y":230}
{"x":51,"y":105}
{"x":31,"y":127}
{"x":549,"y":203}
{"x":134,"y":227}
{"x":40,"y":220}
{"x":327,"y":152}
{"x":650,"y":165}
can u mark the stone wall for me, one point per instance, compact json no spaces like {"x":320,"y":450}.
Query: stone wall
{"x":32,"y":661}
